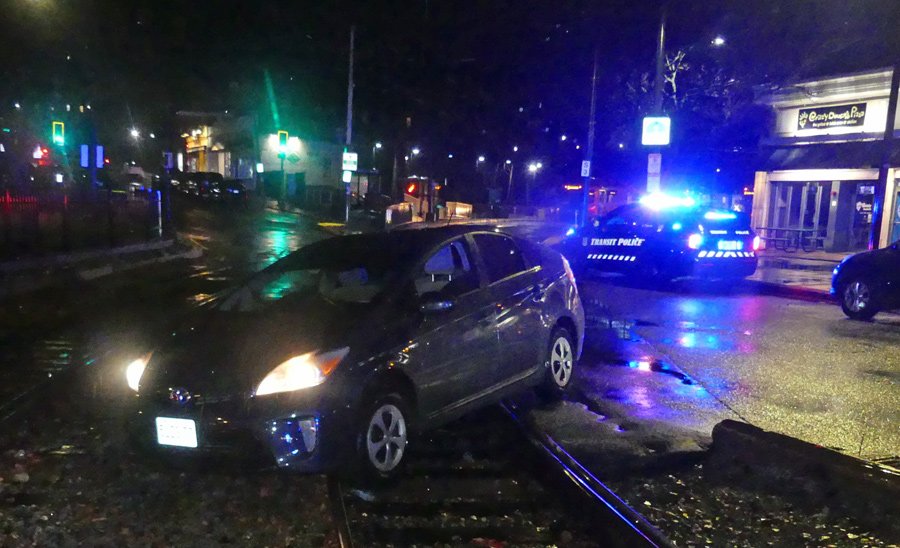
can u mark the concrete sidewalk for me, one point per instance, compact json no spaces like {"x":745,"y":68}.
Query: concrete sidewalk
{"x":808,"y":273}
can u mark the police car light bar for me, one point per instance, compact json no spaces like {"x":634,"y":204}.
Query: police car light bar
{"x":719,"y":215}
{"x":659,"y":201}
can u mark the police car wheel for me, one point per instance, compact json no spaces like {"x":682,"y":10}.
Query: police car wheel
{"x":857,"y":299}
{"x":560,"y":363}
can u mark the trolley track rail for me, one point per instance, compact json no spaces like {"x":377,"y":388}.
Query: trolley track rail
{"x":492,"y":480}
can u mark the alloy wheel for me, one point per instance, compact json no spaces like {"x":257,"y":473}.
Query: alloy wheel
{"x":857,"y":296}
{"x":561,"y":361}
{"x":386,"y":437}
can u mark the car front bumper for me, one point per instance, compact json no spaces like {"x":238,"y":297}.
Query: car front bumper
{"x":713,"y":266}
{"x":305,"y":432}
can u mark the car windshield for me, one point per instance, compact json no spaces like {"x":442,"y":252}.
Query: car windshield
{"x":338,"y":271}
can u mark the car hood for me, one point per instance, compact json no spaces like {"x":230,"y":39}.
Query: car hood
{"x":223,"y":353}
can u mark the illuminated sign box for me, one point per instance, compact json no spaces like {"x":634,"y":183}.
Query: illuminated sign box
{"x":350,"y":161}
{"x":657,"y":131}
{"x":851,"y":115}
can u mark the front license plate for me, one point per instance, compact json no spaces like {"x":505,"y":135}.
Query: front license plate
{"x":728,"y":245}
{"x":176,"y":432}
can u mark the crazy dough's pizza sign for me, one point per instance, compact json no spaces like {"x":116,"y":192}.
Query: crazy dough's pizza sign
{"x":835,"y":116}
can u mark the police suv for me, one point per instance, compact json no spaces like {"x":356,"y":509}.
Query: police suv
{"x":663,"y":238}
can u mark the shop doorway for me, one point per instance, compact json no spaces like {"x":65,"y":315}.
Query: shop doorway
{"x":799,"y":215}
{"x":895,"y":229}
{"x":862,"y":216}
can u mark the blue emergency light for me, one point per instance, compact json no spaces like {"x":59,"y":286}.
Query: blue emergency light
{"x":719,"y":215}
{"x":658,"y":201}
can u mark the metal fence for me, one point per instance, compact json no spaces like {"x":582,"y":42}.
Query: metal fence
{"x":48,"y":223}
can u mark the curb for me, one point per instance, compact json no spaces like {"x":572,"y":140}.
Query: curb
{"x":70,"y":258}
{"x":799,"y":293}
{"x":105,"y":262}
{"x":869,"y":490}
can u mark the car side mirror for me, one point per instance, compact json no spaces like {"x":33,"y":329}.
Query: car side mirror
{"x":435,"y":303}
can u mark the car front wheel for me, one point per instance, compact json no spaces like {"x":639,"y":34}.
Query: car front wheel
{"x":857,"y":300}
{"x":560,"y":362}
{"x":383,"y":436}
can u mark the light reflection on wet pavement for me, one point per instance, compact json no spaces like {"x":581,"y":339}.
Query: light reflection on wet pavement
{"x":116,"y":314}
{"x":793,"y":367}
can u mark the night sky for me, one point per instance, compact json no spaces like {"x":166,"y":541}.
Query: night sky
{"x":472,"y":77}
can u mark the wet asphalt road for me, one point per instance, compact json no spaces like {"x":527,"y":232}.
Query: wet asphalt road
{"x":795,"y":367}
{"x":789,"y":366}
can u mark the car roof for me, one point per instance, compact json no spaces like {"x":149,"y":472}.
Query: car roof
{"x":384,"y":250}
{"x":423,"y":236}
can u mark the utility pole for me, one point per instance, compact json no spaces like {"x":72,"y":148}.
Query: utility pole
{"x":349,"y":137}
{"x":660,"y":57}
{"x":654,"y":158}
{"x":887,"y":144}
{"x":589,"y":153}
{"x":509,"y":188}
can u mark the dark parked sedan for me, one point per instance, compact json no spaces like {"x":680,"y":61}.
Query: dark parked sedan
{"x":338,"y":353}
{"x":869,"y":282}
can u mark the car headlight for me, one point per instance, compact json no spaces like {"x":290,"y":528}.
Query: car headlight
{"x":135,"y":371}
{"x":303,"y":371}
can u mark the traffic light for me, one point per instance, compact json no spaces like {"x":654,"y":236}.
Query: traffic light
{"x":59,"y":133}
{"x":282,"y":143}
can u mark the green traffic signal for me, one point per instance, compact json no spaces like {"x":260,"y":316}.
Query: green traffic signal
{"x":282,"y":143}
{"x":59,"y":133}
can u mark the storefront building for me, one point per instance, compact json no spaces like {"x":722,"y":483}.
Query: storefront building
{"x":821,"y":165}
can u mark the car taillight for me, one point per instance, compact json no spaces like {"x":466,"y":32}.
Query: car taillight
{"x":695,"y":241}
{"x":756,"y":243}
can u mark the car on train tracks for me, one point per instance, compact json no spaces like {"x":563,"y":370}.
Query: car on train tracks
{"x":869,"y":282}
{"x":335,"y":355}
{"x":663,"y":237}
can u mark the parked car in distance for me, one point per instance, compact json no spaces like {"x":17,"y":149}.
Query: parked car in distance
{"x":869,"y":282}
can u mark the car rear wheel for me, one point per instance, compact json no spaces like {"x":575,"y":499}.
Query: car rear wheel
{"x":383,"y":435}
{"x":560,"y":363}
{"x":857,"y":300}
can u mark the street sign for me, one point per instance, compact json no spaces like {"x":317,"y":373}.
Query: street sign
{"x":586,"y":168}
{"x":654,"y":167}
{"x":654,"y":164}
{"x":85,"y":156}
{"x":168,"y":160}
{"x":347,"y":176}
{"x":350,"y":161}
{"x":99,"y":160}
{"x":657,"y":131}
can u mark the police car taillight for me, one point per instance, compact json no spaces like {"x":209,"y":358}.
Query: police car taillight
{"x":756,"y":243}
{"x":695,"y":241}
